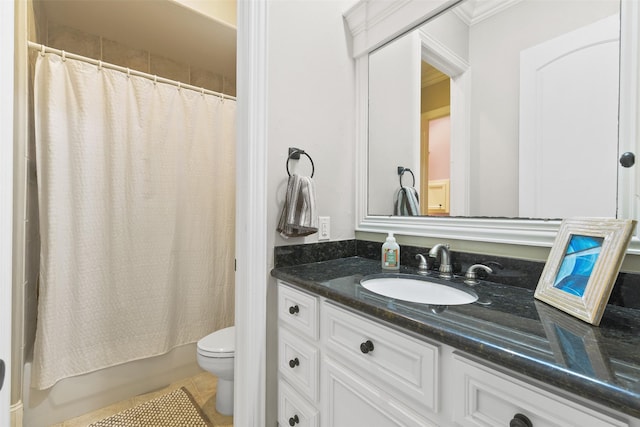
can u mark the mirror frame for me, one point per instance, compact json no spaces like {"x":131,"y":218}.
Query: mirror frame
{"x":374,"y":23}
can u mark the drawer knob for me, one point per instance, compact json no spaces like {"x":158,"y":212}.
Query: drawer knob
{"x":520,"y":420}
{"x":366,"y":346}
{"x":294,"y":420}
{"x":294,"y":309}
{"x":294,"y":362}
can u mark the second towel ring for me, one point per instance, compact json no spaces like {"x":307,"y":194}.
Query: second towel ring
{"x":402,"y":170}
{"x":295,"y":154}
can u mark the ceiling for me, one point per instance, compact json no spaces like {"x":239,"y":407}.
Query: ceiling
{"x":187,"y":30}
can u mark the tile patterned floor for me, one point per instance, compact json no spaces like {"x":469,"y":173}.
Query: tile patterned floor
{"x":202,"y":387}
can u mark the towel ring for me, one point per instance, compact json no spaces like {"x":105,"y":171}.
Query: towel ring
{"x":295,"y":154}
{"x":401,"y":171}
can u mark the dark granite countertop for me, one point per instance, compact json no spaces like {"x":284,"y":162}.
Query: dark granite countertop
{"x":506,"y":326}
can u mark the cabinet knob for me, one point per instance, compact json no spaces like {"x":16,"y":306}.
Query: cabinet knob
{"x":294,"y":362}
{"x":366,"y":346}
{"x":627,"y":159}
{"x":520,"y":420}
{"x":294,"y":420}
{"x":294,"y":309}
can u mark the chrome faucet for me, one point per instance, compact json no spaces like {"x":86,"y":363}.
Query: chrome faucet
{"x":423,"y":267}
{"x":445,"y":259}
{"x":471,"y":277}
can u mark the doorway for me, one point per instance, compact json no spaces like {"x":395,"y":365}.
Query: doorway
{"x":435,"y":141}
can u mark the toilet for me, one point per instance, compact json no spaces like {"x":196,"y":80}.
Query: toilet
{"x":216,"y":354}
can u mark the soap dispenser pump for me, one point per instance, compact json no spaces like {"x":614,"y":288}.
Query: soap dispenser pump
{"x":390,"y":254}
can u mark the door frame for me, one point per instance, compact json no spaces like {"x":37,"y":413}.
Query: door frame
{"x":252,"y":271}
{"x":459,"y":70}
{"x":7,"y":33}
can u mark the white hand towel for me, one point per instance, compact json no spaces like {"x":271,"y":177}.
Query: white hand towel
{"x":298,"y":217}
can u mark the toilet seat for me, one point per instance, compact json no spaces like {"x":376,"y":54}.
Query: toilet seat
{"x":219,"y":344}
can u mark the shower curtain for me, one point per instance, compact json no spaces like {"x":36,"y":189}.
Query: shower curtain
{"x":137,"y":206}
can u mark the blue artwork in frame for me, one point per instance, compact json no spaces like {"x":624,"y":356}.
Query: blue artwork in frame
{"x":577,"y":264}
{"x":583,"y":264}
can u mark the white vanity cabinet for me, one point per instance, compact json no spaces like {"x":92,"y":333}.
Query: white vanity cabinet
{"x":340,"y":368}
{"x":350,"y":400}
{"x":337,"y":368}
{"x":488,"y":398}
{"x":298,"y":358}
{"x":395,"y":372}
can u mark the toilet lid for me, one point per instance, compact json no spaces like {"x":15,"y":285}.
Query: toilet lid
{"x":221,"y":343}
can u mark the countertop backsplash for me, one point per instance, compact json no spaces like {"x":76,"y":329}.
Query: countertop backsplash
{"x":507,"y":271}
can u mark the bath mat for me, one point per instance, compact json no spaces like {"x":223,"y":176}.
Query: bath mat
{"x":174,"y":409}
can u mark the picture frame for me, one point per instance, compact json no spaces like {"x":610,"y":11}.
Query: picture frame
{"x":583,"y":264}
{"x":575,"y":344}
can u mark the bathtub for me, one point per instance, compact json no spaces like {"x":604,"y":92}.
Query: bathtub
{"x":78,"y":395}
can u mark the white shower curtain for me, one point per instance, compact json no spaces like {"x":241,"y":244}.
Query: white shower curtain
{"x":137,"y":205}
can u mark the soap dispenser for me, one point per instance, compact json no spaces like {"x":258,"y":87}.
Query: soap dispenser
{"x":390,"y":254}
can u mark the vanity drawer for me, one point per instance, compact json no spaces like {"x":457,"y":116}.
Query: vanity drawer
{"x":292,"y":410}
{"x":298,"y":362}
{"x":298,"y":310}
{"x":387,"y":357}
{"x":486,"y":397}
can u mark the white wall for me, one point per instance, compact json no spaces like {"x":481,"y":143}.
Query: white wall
{"x":311,"y":106}
{"x":394,"y":120}
{"x":495,"y":91}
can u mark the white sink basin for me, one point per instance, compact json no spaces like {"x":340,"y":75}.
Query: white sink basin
{"x":418,"y":290}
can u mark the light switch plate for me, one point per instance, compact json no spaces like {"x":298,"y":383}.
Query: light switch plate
{"x":324,"y":228}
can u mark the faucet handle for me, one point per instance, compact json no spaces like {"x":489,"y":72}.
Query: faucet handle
{"x":423,"y":267}
{"x":471,"y":277}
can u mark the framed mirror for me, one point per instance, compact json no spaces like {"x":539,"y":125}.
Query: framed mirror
{"x":521,"y":102}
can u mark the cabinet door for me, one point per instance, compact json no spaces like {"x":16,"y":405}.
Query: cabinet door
{"x":489,"y":398}
{"x":407,"y":367}
{"x":438,"y":196}
{"x":349,"y":401}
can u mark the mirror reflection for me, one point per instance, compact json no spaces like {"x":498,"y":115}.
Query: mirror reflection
{"x":498,"y":109}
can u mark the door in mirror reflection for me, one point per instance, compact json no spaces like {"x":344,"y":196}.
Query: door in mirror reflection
{"x":551,"y":155}
{"x":569,"y":123}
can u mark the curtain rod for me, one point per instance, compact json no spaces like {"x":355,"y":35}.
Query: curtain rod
{"x":45,"y":49}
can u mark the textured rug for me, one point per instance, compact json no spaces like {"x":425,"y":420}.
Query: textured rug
{"x":174,"y":409}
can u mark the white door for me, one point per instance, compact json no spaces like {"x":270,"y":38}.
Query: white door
{"x":558,"y":130}
{"x":6,"y":198}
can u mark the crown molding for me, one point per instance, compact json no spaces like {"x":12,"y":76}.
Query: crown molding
{"x":373,"y":23}
{"x":471,"y":12}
